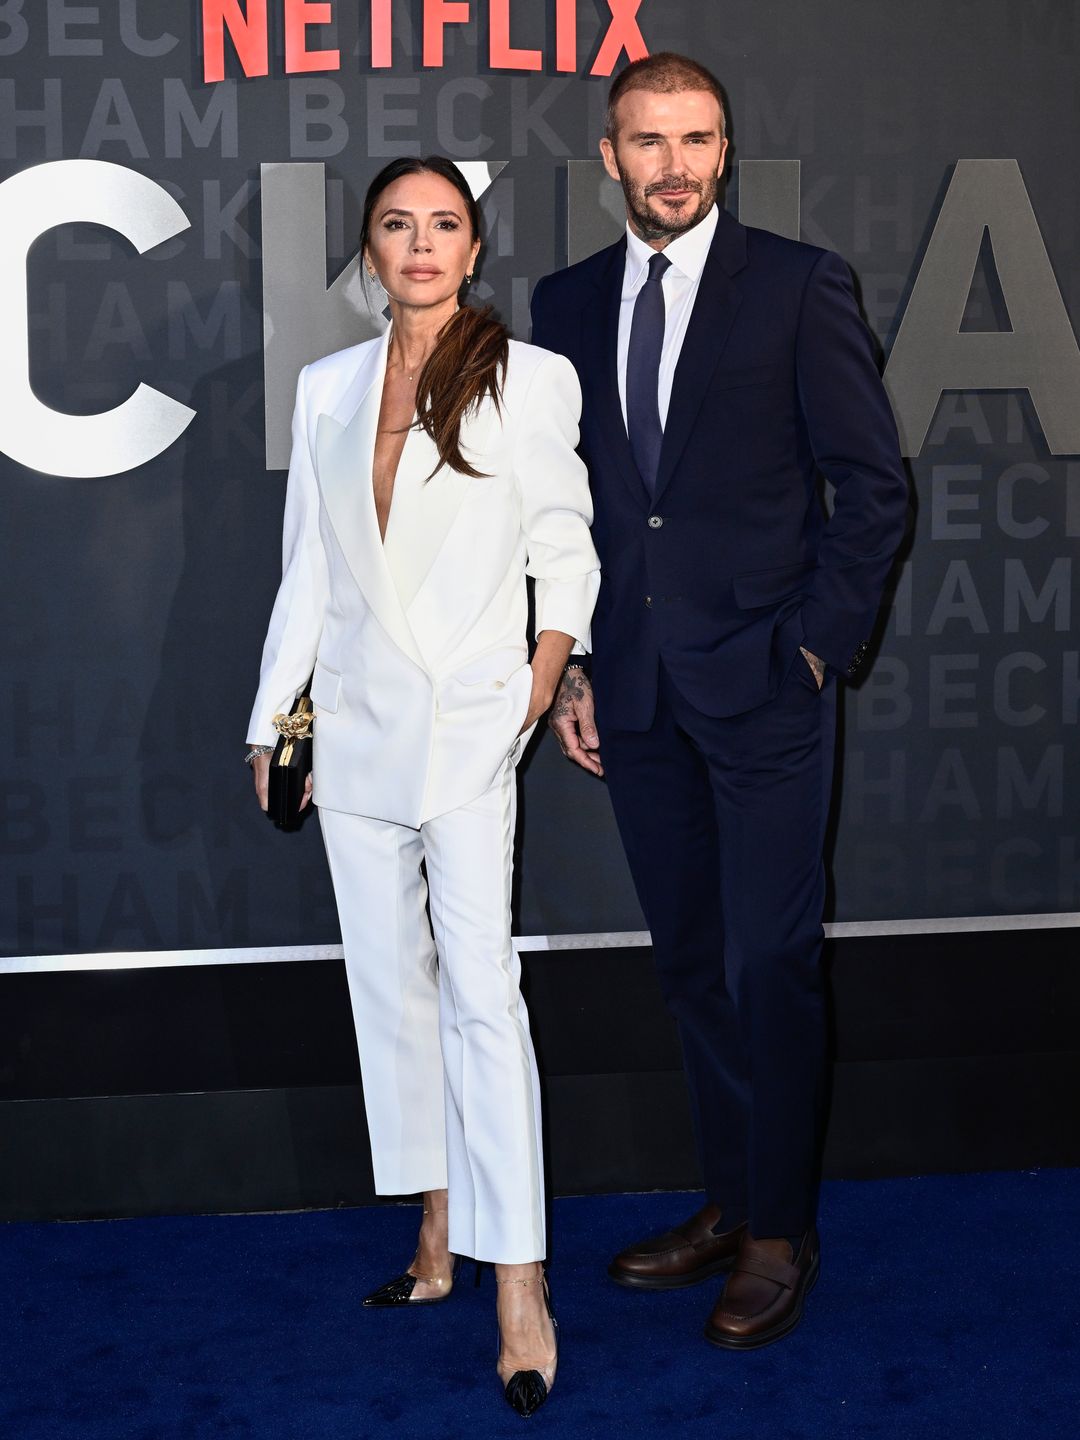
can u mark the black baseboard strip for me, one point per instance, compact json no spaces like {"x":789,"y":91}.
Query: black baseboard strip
{"x":306,"y":1147}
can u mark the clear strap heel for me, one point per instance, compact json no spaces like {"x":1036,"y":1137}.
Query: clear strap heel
{"x":527,"y":1390}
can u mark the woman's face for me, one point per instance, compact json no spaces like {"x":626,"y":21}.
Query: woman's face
{"x":420,"y":241}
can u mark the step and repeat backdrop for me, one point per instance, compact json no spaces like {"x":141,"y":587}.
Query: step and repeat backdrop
{"x":178,"y":211}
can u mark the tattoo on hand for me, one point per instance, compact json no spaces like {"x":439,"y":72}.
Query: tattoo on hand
{"x":574,"y":687}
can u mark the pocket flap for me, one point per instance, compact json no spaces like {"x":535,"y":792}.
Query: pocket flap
{"x":737,"y":378}
{"x":769,"y":587}
{"x":325,"y":688}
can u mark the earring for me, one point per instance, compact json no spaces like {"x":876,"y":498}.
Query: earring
{"x":468,"y":278}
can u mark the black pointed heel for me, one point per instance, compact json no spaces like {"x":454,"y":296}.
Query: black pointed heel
{"x":527,"y":1390}
{"x":399,"y":1290}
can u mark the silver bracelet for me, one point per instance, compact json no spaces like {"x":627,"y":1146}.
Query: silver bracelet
{"x":256,"y":751}
{"x":571,"y":666}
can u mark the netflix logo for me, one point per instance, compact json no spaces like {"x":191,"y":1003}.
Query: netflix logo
{"x":243,"y":29}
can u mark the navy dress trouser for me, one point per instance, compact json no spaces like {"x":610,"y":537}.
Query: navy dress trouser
{"x":723,"y":821}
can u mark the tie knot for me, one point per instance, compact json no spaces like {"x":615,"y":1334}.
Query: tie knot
{"x":657,"y":265}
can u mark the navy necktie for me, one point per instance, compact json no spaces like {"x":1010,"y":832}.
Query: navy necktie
{"x":643,"y":373}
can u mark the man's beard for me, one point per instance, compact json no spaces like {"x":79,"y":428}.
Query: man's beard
{"x":653,"y":225}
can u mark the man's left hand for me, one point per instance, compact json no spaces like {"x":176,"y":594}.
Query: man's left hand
{"x":816,"y":665}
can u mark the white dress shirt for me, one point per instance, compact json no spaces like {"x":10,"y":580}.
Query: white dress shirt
{"x":687,"y":254}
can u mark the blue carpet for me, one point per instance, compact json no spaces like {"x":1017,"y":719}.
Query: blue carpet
{"x":946,"y":1309}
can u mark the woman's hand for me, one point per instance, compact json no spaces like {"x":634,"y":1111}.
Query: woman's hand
{"x":260,"y":772}
{"x":552,"y":652}
{"x":543,"y":692}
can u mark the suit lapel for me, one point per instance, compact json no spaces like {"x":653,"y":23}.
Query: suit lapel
{"x":345,"y":448}
{"x":602,"y":323}
{"x":715,"y":307}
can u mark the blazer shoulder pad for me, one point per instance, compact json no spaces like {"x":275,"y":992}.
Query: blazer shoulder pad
{"x":525,"y":359}
{"x":524,"y":364}
{"x":797,"y":257}
{"x":587,"y":272}
{"x":347,"y":360}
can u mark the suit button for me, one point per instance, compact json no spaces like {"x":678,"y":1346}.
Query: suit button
{"x":655,"y":521}
{"x":648,"y":601}
{"x":498,"y":685}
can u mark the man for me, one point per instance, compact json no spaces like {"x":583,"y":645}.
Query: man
{"x":723,"y":369}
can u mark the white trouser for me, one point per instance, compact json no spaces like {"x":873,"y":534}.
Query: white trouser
{"x":450,"y":1083}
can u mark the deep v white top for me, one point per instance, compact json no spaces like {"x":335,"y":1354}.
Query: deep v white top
{"x":413,"y":508}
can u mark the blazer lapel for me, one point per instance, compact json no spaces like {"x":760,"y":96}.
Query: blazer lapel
{"x":345,"y":448}
{"x":715,"y":307}
{"x":602,"y":322}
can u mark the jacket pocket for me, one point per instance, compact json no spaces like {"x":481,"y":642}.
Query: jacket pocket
{"x":769,"y":587}
{"x":325,"y":688}
{"x":737,"y":379}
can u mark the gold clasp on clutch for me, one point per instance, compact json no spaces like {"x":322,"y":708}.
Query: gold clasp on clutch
{"x":296,"y":726}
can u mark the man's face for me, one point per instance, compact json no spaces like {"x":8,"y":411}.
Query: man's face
{"x":668,"y":156}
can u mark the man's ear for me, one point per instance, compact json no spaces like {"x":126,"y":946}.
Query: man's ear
{"x":607,"y":152}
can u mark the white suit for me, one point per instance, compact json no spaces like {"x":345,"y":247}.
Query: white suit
{"x":421,"y":685}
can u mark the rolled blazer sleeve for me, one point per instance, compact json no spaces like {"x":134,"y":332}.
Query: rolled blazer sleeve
{"x":296,"y":622}
{"x":556,"y":506}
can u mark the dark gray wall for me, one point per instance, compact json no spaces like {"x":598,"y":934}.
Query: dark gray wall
{"x":134,"y":604}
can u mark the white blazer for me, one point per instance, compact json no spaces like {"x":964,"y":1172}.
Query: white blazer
{"x":421,"y":681}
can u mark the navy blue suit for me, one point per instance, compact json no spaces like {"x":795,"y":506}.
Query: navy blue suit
{"x":717,"y":744}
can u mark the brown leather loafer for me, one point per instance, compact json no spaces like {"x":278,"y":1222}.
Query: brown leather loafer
{"x":690,"y":1252}
{"x":764,"y":1295}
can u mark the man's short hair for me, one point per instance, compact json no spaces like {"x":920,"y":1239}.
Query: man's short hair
{"x":664,"y":73}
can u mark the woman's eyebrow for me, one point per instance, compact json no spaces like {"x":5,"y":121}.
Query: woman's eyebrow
{"x":398,"y":210}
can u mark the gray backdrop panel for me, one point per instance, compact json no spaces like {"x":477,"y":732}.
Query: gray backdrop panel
{"x":134,"y":605}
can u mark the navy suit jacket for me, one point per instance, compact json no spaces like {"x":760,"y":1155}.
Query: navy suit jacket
{"x":734,"y":564}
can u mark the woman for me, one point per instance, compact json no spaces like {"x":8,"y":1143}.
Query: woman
{"x":431,"y":470}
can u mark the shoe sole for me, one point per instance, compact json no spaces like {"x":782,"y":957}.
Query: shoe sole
{"x":664,"y":1282}
{"x":404,"y":1304}
{"x":723,"y":1341}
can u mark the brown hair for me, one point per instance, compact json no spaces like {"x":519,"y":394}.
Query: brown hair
{"x":470,"y":356}
{"x":664,"y":73}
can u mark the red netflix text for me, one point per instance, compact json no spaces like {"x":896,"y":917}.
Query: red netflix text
{"x":243,"y":26}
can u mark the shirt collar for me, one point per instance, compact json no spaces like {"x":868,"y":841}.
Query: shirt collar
{"x":687,"y":254}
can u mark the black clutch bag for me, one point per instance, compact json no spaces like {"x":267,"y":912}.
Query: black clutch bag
{"x":290,"y":764}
